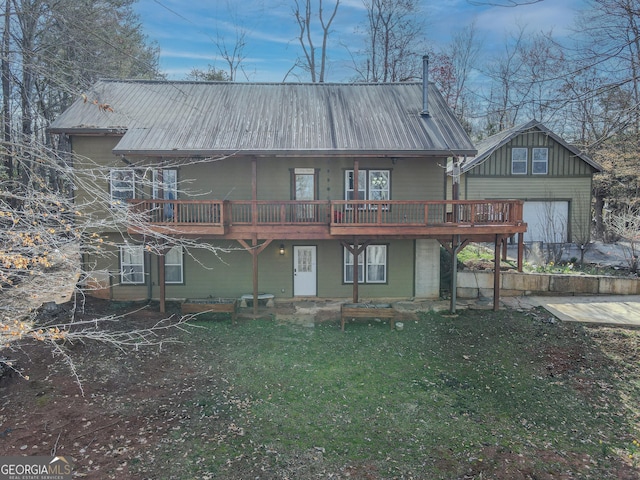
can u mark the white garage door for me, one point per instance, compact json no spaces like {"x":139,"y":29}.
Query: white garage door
{"x":546,"y":221}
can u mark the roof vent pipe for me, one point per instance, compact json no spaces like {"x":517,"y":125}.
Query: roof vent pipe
{"x":425,"y":85}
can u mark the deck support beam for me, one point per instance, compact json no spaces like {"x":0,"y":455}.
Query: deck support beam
{"x":496,"y":276}
{"x":520,"y":251}
{"x":355,"y":249}
{"x":162,"y":282}
{"x":254,"y":250}
{"x":454,"y":246}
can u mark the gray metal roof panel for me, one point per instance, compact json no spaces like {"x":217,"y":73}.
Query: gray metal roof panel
{"x":211,"y":118}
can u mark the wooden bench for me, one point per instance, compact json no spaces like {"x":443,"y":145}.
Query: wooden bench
{"x":211,"y":305}
{"x":366,"y":310}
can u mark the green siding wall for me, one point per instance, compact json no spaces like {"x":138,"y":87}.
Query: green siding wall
{"x":229,"y":274}
{"x":562,"y":162}
{"x":569,"y":178}
{"x":575,"y":190}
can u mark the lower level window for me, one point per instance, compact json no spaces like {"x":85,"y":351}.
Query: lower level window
{"x":131,"y":264}
{"x":173,"y":266}
{"x":372,"y":265}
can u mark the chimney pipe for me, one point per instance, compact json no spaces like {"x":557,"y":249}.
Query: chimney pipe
{"x":425,"y":85}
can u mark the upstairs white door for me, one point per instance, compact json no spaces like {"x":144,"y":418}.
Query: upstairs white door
{"x":304,"y":271}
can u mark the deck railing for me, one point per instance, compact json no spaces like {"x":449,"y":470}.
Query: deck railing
{"x":335,"y":212}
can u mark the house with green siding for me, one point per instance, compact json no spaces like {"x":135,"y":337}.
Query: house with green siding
{"x":552,"y":177}
{"x":294,"y":190}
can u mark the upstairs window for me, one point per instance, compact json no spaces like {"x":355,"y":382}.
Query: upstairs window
{"x":540,"y":159}
{"x":372,"y":185}
{"x":372,"y":265}
{"x":165,"y":187}
{"x":165,"y":184}
{"x":122,"y":186}
{"x":519,"y":161}
{"x":131,"y":264}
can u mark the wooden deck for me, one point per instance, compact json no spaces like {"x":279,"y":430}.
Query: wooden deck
{"x":334,"y":219}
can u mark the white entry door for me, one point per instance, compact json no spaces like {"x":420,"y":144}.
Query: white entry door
{"x":304,"y":271}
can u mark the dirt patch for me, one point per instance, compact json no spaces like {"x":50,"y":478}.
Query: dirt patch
{"x":503,"y":464}
{"x":128,"y":402}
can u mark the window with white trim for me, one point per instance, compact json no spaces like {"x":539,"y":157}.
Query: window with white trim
{"x":173,"y":266}
{"x":372,"y":265}
{"x":540,"y":159}
{"x":122,"y":186}
{"x":372,"y":185}
{"x":132,"y":264}
{"x":519,"y":159}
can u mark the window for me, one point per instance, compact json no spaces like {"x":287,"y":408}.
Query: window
{"x":519,"y":161}
{"x":173,"y":266}
{"x":165,"y":184}
{"x":165,"y":187}
{"x":372,"y":265}
{"x":372,"y":185}
{"x":122,"y":183}
{"x":131,"y":264}
{"x":540,"y":161}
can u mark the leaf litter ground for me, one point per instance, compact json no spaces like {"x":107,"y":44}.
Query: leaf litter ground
{"x":507,"y":395}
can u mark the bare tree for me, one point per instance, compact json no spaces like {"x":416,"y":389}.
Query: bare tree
{"x":44,"y":234}
{"x":609,"y":35}
{"x":451,"y":71}
{"x":303,"y":12}
{"x":394,"y":33}
{"x":233,"y":53}
{"x":605,"y":93}
{"x":527,"y":81}
{"x":504,"y":3}
{"x":626,"y":225}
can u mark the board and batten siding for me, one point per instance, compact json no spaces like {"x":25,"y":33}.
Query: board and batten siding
{"x":562,"y":162}
{"x":577,"y":191}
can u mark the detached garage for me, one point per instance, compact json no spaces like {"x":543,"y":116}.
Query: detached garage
{"x":531,"y":163}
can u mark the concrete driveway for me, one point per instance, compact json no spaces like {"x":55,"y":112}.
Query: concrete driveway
{"x":614,"y":310}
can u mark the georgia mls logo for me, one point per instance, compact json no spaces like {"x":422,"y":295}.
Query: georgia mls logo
{"x":35,"y":468}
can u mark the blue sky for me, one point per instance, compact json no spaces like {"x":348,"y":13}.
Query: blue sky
{"x":187,"y":31}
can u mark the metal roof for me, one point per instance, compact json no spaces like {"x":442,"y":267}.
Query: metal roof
{"x":199,"y":118}
{"x":490,"y":144}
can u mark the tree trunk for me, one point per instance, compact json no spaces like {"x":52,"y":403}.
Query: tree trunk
{"x":598,"y":210}
{"x":6,"y":90}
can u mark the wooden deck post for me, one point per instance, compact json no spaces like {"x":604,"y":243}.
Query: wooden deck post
{"x":254,"y":259}
{"x":254,"y":250}
{"x":162,"y":281}
{"x":520,"y":251}
{"x":356,"y":196}
{"x":496,"y":275}
{"x":455,"y":241}
{"x":355,"y":250}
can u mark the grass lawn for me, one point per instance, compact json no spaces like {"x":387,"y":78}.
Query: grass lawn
{"x":503,"y":395}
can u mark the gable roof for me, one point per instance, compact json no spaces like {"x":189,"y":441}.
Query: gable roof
{"x":490,"y":144}
{"x":204,"y":118}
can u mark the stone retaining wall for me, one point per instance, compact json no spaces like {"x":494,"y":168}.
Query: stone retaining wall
{"x":474,"y":284}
